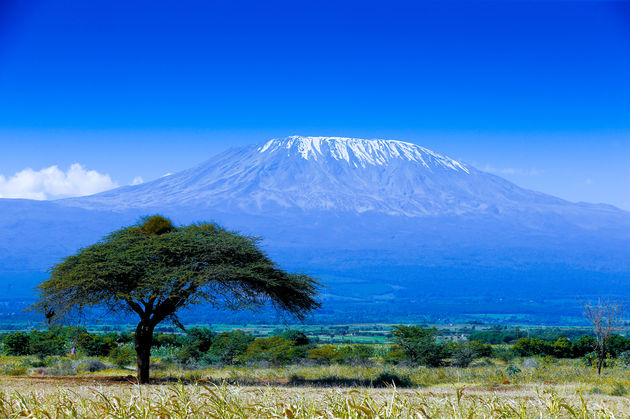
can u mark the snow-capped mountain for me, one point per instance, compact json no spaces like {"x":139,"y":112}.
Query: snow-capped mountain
{"x":331,"y":174}
{"x":376,"y":219}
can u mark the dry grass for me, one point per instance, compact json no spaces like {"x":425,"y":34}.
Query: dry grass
{"x":524,"y":397}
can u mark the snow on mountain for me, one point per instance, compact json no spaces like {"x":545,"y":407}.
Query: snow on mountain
{"x":359,"y":152}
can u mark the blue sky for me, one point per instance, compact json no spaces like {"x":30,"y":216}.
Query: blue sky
{"x":537,"y":92}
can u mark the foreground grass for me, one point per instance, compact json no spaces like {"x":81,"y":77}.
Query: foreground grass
{"x":22,"y":397}
{"x":489,"y":389}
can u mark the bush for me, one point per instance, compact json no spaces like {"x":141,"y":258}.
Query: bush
{"x":195,"y":345}
{"x":504,"y":354}
{"x":96,"y":345}
{"x":618,"y":390}
{"x":122,"y":356}
{"x":297,"y":337}
{"x":463,"y":356}
{"x":343,"y":354}
{"x":563,"y":348}
{"x":355,"y":354}
{"x":228,"y":347}
{"x":92,"y":365}
{"x":584,"y":345}
{"x":276,"y":349}
{"x":624,"y":358}
{"x":17,"y":344}
{"x":531,"y":347}
{"x":589,"y":359}
{"x":15,"y":370}
{"x":512,"y":370}
{"x":617,"y":344}
{"x":394,"y":355}
{"x":386,"y":379}
{"x":47,"y":343}
{"x":167,"y":339}
{"x":419,"y":345}
{"x":324,"y":354}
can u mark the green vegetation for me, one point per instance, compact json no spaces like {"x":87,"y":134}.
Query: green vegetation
{"x":200,"y":347}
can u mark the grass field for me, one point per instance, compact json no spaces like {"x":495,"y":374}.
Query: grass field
{"x":540,"y":389}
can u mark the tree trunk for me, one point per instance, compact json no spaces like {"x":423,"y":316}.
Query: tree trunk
{"x":600,"y":363}
{"x":143,"y":343}
{"x":601,"y":356}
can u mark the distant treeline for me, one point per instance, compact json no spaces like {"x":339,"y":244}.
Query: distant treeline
{"x":413,"y":345}
{"x":498,"y":336}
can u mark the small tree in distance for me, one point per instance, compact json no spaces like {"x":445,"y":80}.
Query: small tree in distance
{"x":154,"y":269}
{"x":419,"y":345}
{"x":605,"y":316}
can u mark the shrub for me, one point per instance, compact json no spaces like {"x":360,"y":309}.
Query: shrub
{"x":323,"y":354}
{"x":168,"y":339}
{"x":463,"y":356}
{"x":584,"y":345}
{"x":17,"y":344}
{"x":624,"y":358}
{"x":228,"y":347}
{"x":512,"y":370}
{"x":504,"y":354}
{"x":617,"y":344}
{"x":47,"y":343}
{"x":563,"y":348}
{"x":589,"y":359}
{"x":62,"y":367}
{"x":297,"y":337}
{"x":342,"y":354}
{"x":618,"y":390}
{"x":419,"y":345}
{"x":195,"y":345}
{"x":354,"y":354}
{"x":96,"y":345}
{"x":276,"y":349}
{"x":386,"y":379}
{"x":92,"y":365}
{"x":15,"y":370}
{"x":122,"y":356}
{"x":394,"y":355}
{"x":531,"y":347}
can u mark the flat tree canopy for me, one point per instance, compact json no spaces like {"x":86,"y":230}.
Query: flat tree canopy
{"x":154,"y":269}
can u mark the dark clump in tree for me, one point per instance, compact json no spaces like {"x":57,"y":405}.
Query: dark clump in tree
{"x":154,"y":269}
{"x":419,"y":345}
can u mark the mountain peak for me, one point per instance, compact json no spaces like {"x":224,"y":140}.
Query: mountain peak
{"x":360,"y":152}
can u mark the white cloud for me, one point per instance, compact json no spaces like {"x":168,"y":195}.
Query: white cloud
{"x":51,"y":182}
{"x":137,"y":180}
{"x":589,"y":181}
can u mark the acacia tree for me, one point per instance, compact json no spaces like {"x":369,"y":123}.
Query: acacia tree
{"x":605,"y":316}
{"x":154,"y":269}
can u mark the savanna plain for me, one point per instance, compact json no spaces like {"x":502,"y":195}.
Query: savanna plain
{"x":418,"y":372}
